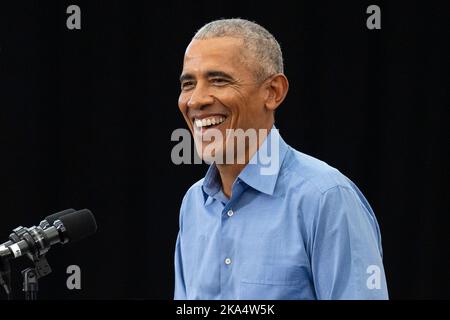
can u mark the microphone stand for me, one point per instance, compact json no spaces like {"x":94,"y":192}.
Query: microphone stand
{"x":5,"y":276}
{"x":32,"y":275}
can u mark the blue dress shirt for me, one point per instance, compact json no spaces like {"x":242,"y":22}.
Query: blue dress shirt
{"x":303,"y":232}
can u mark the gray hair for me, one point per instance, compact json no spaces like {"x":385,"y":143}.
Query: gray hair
{"x":257,"y":40}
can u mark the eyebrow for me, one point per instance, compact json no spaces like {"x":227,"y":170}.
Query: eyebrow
{"x":208,"y":74}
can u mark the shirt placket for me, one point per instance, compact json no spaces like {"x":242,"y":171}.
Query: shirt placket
{"x":229,"y":262}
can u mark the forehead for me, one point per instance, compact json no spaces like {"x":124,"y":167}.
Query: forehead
{"x":223,"y":53}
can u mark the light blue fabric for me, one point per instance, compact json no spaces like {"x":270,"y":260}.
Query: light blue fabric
{"x":304,"y":232}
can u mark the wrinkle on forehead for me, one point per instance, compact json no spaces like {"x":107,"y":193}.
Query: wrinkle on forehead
{"x":224,"y":52}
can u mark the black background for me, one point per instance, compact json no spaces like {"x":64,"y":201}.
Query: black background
{"x":87,"y":116}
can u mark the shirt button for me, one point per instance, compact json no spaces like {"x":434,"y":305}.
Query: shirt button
{"x":230,"y":213}
{"x":227,"y":261}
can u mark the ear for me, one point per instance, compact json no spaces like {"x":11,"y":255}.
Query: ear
{"x":277,"y":88}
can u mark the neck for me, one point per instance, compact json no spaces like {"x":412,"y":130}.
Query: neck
{"x":229,"y":172}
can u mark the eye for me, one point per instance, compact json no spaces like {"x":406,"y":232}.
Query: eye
{"x":187,"y":85}
{"x":219,"y":81}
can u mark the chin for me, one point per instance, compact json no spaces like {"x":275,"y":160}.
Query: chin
{"x":211,"y":153}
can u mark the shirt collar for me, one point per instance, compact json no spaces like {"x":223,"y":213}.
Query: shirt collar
{"x":262,"y":171}
{"x":211,"y":183}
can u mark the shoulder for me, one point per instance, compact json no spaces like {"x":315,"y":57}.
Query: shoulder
{"x":190,"y":200}
{"x":320,"y":191}
{"x":193,"y":192}
{"x":324,"y":197}
{"x":196,"y":187}
{"x":311,"y":175}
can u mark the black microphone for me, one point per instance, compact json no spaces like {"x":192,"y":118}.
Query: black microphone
{"x":18,"y":232}
{"x":36,"y":241}
{"x":49,"y":220}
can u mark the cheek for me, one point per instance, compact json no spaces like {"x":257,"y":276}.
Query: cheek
{"x":243,"y":109}
{"x":254,"y":104}
{"x":182,"y":102}
{"x":182,"y":106}
{"x":232,"y":100}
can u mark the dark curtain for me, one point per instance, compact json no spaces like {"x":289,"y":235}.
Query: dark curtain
{"x":87,"y":116}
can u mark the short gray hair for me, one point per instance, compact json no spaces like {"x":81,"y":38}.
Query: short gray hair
{"x":257,"y":40}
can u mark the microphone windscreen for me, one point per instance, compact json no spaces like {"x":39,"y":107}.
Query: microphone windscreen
{"x":53,"y":217}
{"x":79,"y":224}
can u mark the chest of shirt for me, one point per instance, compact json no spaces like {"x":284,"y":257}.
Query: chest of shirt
{"x":238,"y":247}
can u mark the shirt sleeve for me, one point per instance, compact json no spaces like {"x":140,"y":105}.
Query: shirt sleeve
{"x":346,"y":256}
{"x":180,"y":288}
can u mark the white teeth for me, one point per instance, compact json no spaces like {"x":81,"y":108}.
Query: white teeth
{"x":208,"y":121}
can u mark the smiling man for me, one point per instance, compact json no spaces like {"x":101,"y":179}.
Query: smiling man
{"x":299,"y":231}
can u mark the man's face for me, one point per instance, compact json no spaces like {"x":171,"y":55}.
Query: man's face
{"x":217,"y":86}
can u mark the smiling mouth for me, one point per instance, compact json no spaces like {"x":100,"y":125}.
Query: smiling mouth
{"x":208,"y":122}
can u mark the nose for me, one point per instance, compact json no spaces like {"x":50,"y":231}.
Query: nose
{"x":200,"y":98}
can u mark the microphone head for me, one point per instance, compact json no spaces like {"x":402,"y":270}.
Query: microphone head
{"x":53,"y":217}
{"x":79,"y":224}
